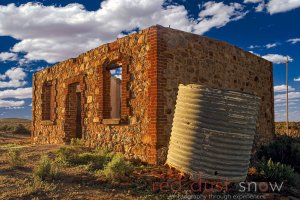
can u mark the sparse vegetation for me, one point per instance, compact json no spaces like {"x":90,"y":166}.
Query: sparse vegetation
{"x":77,"y":142}
{"x":75,"y":156}
{"x":99,"y":173}
{"x":66,"y":155}
{"x":277,"y":172}
{"x":45,"y":169}
{"x":38,"y":185}
{"x":20,"y":126}
{"x":117,"y":169}
{"x":14,"y":158}
{"x":284,"y":149}
{"x":21,"y":129}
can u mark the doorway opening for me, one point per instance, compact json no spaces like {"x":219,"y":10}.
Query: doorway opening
{"x":73,"y":123}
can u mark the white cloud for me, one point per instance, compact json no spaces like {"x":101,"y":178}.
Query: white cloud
{"x":254,"y":53}
{"x":268,"y":46}
{"x":293,"y":115}
{"x":294,"y":40}
{"x":284,"y":104}
{"x":19,"y":93}
{"x":14,"y":107}
{"x":292,"y":96}
{"x":275,"y":6}
{"x":15,"y":76}
{"x":271,"y":45}
{"x":277,"y":59}
{"x":55,"y":33}
{"x":278,"y":6}
{"x":252,"y":1}
{"x":260,"y":7}
{"x":4,"y":103}
{"x":253,"y":46}
{"x":282,"y":88}
{"x":297,"y":79}
{"x":218,"y":15}
{"x":8,"y":56}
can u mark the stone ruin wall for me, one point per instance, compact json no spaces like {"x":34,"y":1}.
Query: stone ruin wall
{"x":136,"y":54}
{"x":187,"y":58}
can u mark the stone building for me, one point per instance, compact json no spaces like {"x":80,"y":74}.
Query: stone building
{"x":133,"y":114}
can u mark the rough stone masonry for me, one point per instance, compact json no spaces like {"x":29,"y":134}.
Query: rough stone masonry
{"x":72,"y":99}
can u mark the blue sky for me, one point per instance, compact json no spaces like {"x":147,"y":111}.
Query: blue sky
{"x":34,"y":35}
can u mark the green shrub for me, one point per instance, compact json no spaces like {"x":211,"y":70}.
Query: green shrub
{"x":45,"y":169}
{"x":14,"y":158}
{"x":284,"y":149}
{"x":37,"y":185}
{"x":21,"y":129}
{"x":277,"y":172}
{"x":66,"y":155}
{"x":117,"y":168}
{"x":73,"y":156}
{"x":77,"y":142}
{"x":93,"y":160}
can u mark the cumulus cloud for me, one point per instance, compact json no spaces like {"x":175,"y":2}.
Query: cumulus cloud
{"x":13,"y":78}
{"x":218,"y":15}
{"x":293,"y":40}
{"x":8,"y":56}
{"x":19,"y":93}
{"x":4,"y":103}
{"x":277,"y":59}
{"x":282,"y":88}
{"x":53,"y":33}
{"x":297,"y":79}
{"x":278,"y":6}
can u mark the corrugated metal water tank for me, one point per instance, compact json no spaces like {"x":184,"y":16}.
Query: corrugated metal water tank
{"x":213,"y":132}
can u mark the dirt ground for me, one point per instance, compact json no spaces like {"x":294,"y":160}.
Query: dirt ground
{"x":72,"y":183}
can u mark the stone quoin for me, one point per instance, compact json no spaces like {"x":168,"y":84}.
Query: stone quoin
{"x":73,"y":99}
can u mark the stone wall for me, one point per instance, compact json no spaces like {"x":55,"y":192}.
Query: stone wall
{"x":154,"y":62}
{"x":90,"y":73}
{"x":187,"y":58}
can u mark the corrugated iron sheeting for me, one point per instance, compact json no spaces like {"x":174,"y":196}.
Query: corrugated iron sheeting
{"x":213,"y":132}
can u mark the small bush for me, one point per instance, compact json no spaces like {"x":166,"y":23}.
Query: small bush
{"x":77,"y":142}
{"x":14,"y":158}
{"x":117,"y":168}
{"x":278,"y":172}
{"x":66,"y":155}
{"x":45,"y":169}
{"x":21,"y":129}
{"x":38,"y":185}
